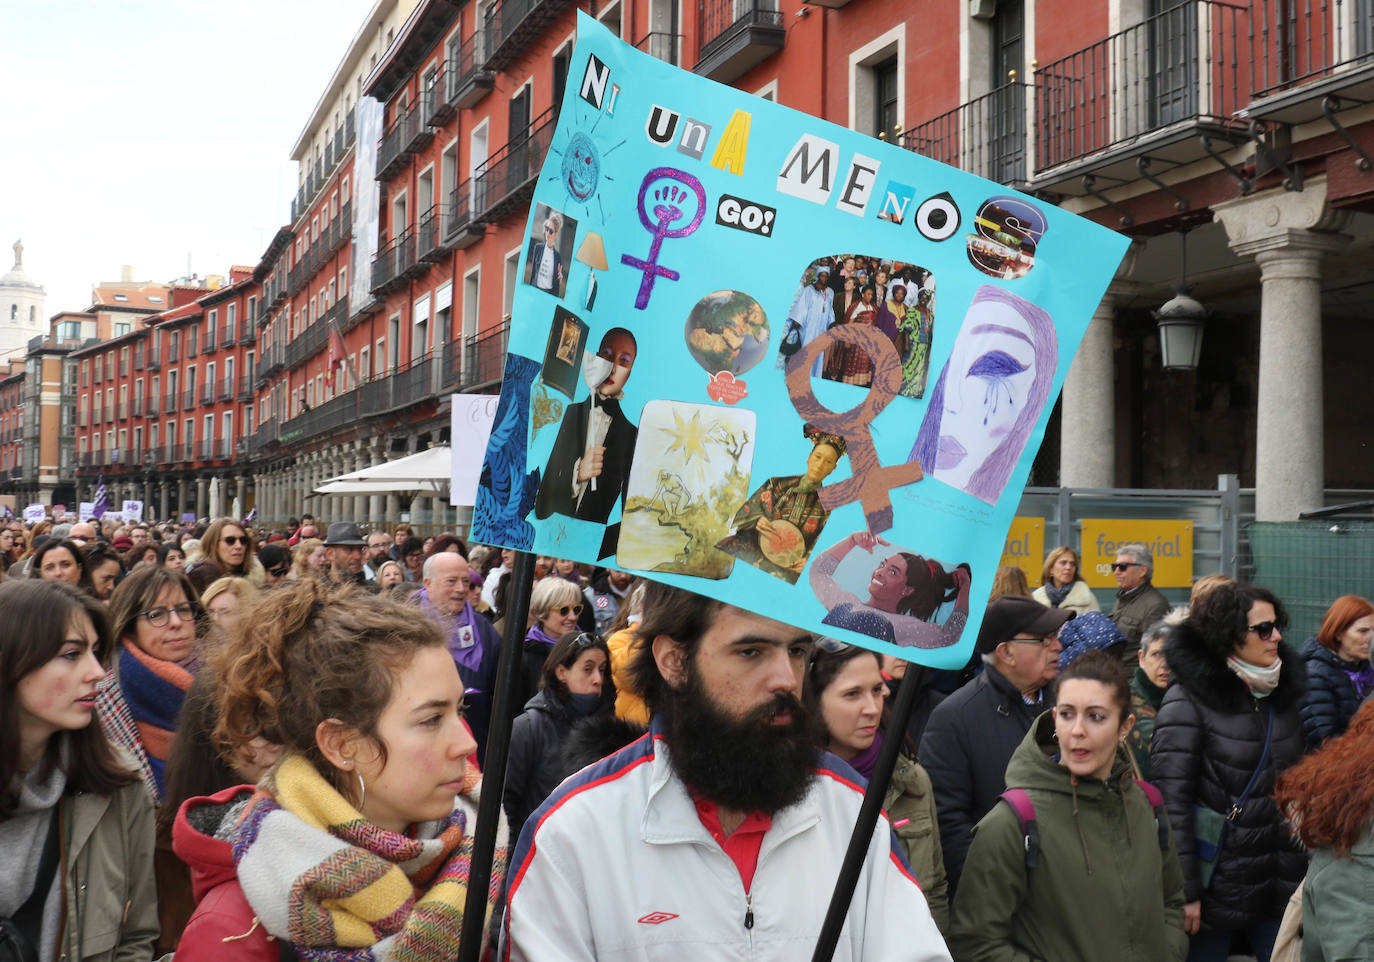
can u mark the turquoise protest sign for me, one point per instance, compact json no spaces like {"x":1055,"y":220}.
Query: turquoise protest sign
{"x":778,"y":363}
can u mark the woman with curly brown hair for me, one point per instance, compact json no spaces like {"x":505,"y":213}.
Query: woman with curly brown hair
{"x":1328,"y":798}
{"x":356,"y":844}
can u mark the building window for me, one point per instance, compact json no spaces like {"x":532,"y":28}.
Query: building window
{"x":885,"y":76}
{"x":877,"y":84}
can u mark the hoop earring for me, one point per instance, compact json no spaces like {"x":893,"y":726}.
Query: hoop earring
{"x":362,"y":785}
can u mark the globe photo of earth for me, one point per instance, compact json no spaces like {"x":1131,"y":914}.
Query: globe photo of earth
{"x":727,"y":331}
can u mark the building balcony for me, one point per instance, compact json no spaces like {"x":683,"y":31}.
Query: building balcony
{"x":170,"y":403}
{"x":330,"y":416}
{"x":123,"y":410}
{"x":406,"y":385}
{"x":211,"y":341}
{"x":109,"y":412}
{"x":226,"y":388}
{"x":430,"y":239}
{"x":188,"y":399}
{"x":438,"y":109}
{"x":393,"y":262}
{"x":248,"y":333}
{"x":407,"y":134}
{"x":737,"y":35}
{"x":207,"y":393}
{"x":505,"y":183}
{"x":985,"y":136}
{"x":486,"y":357}
{"x":266,"y":433}
{"x":512,"y":24}
{"x":1153,"y":90}
{"x":154,"y":363}
{"x":191,"y":342}
{"x":245,"y":387}
{"x":150,"y":407}
{"x":451,"y":365}
{"x":665,"y":46}
{"x":188,"y":451}
{"x":467,"y":81}
{"x":138,"y":358}
{"x":82,"y":419}
{"x":271,"y":361}
{"x":207,"y":451}
{"x":1299,"y":58}
{"x":460,"y":230}
{"x":226,"y":335}
{"x":308,"y":343}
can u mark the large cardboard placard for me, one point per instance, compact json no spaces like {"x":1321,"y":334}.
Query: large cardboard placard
{"x":776,"y":362}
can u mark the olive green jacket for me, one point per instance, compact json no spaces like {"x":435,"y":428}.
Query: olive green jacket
{"x":109,"y":910}
{"x":910,"y":805}
{"x":1102,"y":888}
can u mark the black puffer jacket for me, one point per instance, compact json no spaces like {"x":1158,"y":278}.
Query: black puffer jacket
{"x":1331,"y":698}
{"x":1209,"y":736}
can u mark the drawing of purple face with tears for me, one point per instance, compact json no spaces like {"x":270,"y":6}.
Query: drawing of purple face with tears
{"x":990,"y":394}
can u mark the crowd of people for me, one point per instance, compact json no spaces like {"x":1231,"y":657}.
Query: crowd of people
{"x":230,"y":742}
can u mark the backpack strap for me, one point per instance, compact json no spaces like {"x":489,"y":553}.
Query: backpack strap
{"x":1024,"y":810}
{"x":1157,"y":803}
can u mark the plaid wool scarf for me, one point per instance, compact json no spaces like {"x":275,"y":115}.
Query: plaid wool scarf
{"x":154,"y":690}
{"x":337,"y":887}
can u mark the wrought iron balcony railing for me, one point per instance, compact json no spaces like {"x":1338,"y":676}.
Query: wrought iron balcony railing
{"x":1180,"y":68}
{"x":985,"y":136}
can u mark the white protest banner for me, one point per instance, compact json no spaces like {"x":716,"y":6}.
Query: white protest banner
{"x":471,"y":419}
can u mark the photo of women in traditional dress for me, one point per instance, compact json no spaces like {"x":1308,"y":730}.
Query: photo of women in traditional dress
{"x":863,"y":289}
{"x":905,"y":592}
{"x":778,"y":525}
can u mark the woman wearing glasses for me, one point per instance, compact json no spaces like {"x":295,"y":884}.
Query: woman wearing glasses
{"x":573,"y":685}
{"x":1229,"y":725}
{"x":153,"y":616}
{"x":554,"y":607}
{"x":229,"y":552}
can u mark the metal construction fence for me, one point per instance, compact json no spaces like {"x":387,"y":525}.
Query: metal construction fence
{"x":1308,"y":564}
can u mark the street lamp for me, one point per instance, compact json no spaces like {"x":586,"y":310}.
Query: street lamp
{"x":1180,"y":323}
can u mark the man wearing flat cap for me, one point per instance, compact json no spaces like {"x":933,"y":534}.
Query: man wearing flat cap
{"x":343,"y":546}
{"x":972,"y":733}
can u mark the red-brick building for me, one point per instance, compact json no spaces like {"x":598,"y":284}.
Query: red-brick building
{"x":1235,"y":123}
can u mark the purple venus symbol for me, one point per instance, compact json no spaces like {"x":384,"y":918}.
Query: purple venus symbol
{"x":666,"y":211}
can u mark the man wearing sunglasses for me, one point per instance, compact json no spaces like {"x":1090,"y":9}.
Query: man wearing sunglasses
{"x":589,"y":468}
{"x":718,"y":834}
{"x":1138,"y":602}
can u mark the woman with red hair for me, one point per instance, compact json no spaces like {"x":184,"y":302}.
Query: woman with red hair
{"x":1328,"y":798}
{"x":1339,"y":674}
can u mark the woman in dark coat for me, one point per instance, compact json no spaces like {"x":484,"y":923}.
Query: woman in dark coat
{"x":1229,"y":673}
{"x":574,"y":686}
{"x":1338,"y":671}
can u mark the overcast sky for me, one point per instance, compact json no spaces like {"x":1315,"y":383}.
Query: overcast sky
{"x":145,"y":131}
